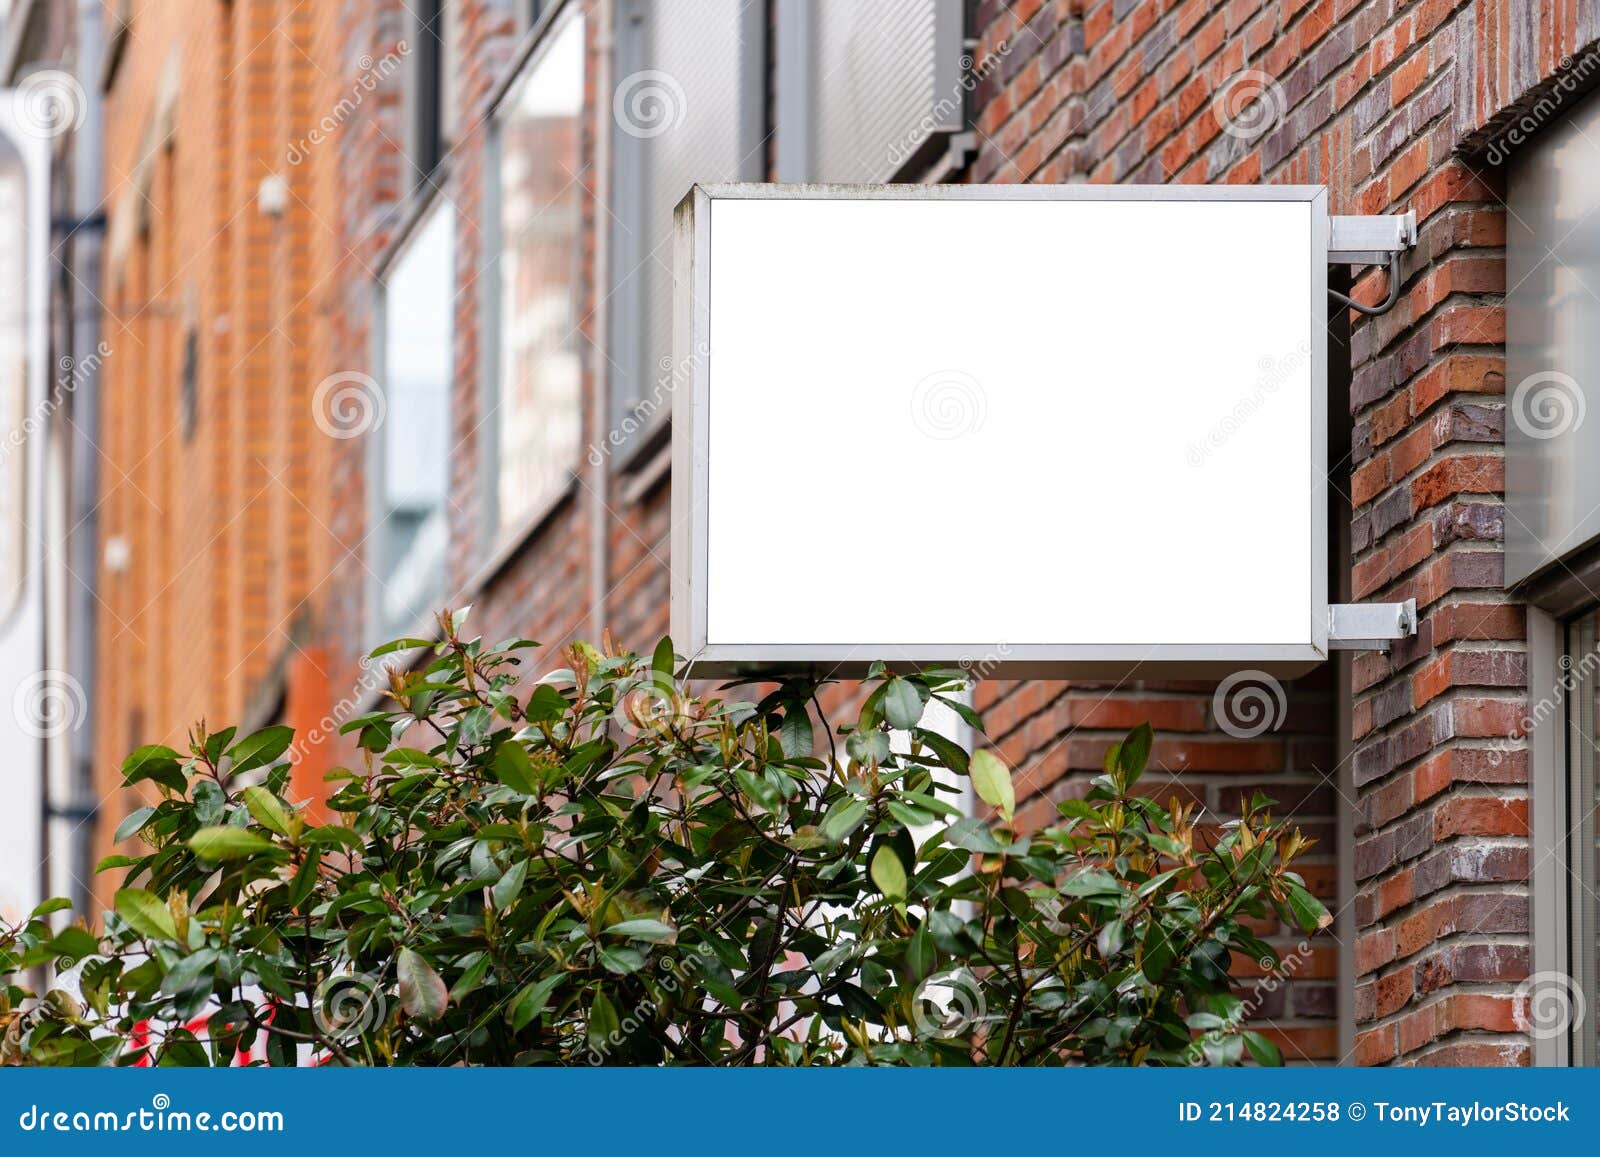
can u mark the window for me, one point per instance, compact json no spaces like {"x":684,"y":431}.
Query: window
{"x":867,"y":92}
{"x":529,"y":12}
{"x":1552,"y":362}
{"x":13,"y":373}
{"x":427,"y":93}
{"x":189,"y":381}
{"x":537,"y":147}
{"x":1581,"y":662}
{"x":1552,"y":554}
{"x":687,"y":106}
{"x":412,"y":427}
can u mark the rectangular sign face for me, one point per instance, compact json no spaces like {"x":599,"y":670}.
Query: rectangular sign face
{"x":1071,"y":430}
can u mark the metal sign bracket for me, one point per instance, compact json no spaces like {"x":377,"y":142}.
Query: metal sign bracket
{"x":1370,"y":240}
{"x":1370,"y":626}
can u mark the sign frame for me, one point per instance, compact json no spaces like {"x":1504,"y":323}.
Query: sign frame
{"x":996,"y":658}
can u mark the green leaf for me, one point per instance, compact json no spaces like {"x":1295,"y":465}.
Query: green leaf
{"x":416,"y":760}
{"x":1262,"y":1050}
{"x":620,"y":959}
{"x":1158,"y":953}
{"x":865,"y":745}
{"x":422,"y":991}
{"x":757,"y":788}
{"x":973,"y":835}
{"x":133,"y":823}
{"x":217,"y":742}
{"x":920,"y":953}
{"x":902,"y":705}
{"x":474,"y":726}
{"x":260,"y":748}
{"x":912,"y":817}
{"x":191,"y":981}
{"x":1111,"y":938}
{"x":796,"y":736}
{"x":968,"y":716}
{"x":1091,"y":882}
{"x":509,"y":886}
{"x":531,"y":1001}
{"x":545,"y":705}
{"x":74,"y":942}
{"x":1134,"y":753}
{"x":950,"y":753}
{"x":1308,"y":911}
{"x":471,"y":976}
{"x":652,"y":931}
{"x":268,"y":811}
{"x":391,"y":647}
{"x":663,"y":661}
{"x":602,"y":1024}
{"x":843,"y":818}
{"x":146,"y":914}
{"x":513,"y":768}
{"x":991,"y":779}
{"x":154,"y":762}
{"x":227,"y":843}
{"x":889,"y":874}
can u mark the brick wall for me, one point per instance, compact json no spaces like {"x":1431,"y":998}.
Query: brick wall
{"x":1385,"y":103}
{"x":194,"y":622}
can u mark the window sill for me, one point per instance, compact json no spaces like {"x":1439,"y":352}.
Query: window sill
{"x":647,"y":473}
{"x":512,"y":543}
{"x":639,"y":452}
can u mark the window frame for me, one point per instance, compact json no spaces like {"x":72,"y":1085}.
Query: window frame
{"x":795,"y":108}
{"x":377,"y":628}
{"x":16,"y":463}
{"x":1562,"y":821}
{"x":1558,"y":588}
{"x":627,"y":385}
{"x":494,"y":534}
{"x":425,"y":102}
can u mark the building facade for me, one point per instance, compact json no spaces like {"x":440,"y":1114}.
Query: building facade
{"x":387,"y":287}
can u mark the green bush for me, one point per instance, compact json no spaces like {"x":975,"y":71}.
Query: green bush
{"x":607,"y":869}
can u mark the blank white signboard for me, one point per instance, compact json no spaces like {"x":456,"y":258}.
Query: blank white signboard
{"x":1065,"y":430}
